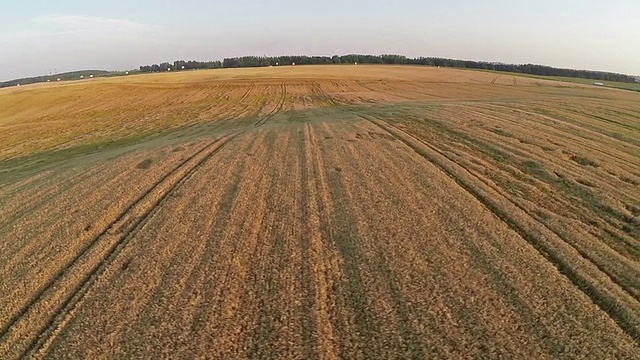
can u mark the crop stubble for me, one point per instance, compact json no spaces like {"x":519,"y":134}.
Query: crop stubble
{"x":375,"y":212}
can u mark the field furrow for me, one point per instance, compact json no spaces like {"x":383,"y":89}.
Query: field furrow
{"x":622,"y":307}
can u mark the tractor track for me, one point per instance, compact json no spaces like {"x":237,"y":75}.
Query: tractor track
{"x":615,"y":279}
{"x":621,"y":315}
{"x":162,"y":188}
{"x":126,"y":229}
{"x":45,"y":198}
{"x":231,"y":104}
{"x":276,"y":109}
{"x":317,"y":90}
{"x":383,"y":92}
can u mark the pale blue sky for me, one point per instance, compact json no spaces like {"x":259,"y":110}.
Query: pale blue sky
{"x":38,"y":35}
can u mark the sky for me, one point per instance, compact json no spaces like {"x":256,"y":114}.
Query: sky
{"x":39,"y":36}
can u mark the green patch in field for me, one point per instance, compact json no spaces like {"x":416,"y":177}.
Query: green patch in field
{"x":633,"y":209}
{"x":20,"y":167}
{"x":586,"y":183}
{"x":581,"y":160}
{"x":490,"y":149}
{"x":145,"y":164}
{"x":537,"y":170}
{"x":629,"y":180}
{"x":501,"y":132}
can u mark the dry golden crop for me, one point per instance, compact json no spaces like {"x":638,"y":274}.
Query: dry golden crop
{"x":319,"y":212}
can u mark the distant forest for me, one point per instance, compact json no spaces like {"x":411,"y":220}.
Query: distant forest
{"x":262,"y":61}
{"x":74,"y":75}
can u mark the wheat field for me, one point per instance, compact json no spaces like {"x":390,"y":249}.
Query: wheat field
{"x":357,"y":212}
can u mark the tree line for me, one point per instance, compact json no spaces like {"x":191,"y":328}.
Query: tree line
{"x":73,"y":75}
{"x":263,"y":61}
{"x":181,"y":65}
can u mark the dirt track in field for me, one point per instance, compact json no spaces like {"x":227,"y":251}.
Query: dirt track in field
{"x":319,"y":212}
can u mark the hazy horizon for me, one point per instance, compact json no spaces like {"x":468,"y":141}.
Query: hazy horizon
{"x":42,"y":36}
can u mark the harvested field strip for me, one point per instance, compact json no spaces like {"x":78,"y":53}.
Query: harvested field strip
{"x":545,"y":178}
{"x":319,"y":212}
{"x":120,"y":230}
{"x":154,"y":282}
{"x":336,"y":226}
{"x":623,"y":270}
{"x":27,"y":232}
{"x":381,"y":88}
{"x":12,"y":211}
{"x":277,"y":259}
{"x":412,"y":242}
{"x":321,"y":95}
{"x":592,"y":126}
{"x":238,"y":258}
{"x":615,"y":151}
{"x":78,"y":113}
{"x":591,"y":136}
{"x":423,"y":91}
{"x":277,"y":108}
{"x":323,"y":259}
{"x":313,"y":328}
{"x":339,"y":243}
{"x":622,"y":308}
{"x":159,"y":284}
{"x":351,"y":163}
{"x":45,"y":242}
{"x":621,"y":276}
{"x":370,"y":286}
{"x":222,"y":226}
{"x":490,"y":144}
{"x":232,"y":110}
{"x":11,"y":189}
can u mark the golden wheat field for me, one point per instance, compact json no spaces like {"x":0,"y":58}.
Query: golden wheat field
{"x":353,"y":212}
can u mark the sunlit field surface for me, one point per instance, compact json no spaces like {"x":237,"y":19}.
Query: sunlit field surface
{"x":369,"y":212}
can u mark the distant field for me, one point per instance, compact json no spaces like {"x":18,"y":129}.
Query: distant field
{"x":610,"y":84}
{"x":368,"y":212}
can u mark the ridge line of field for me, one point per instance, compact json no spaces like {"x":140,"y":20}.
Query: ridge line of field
{"x":625,"y":318}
